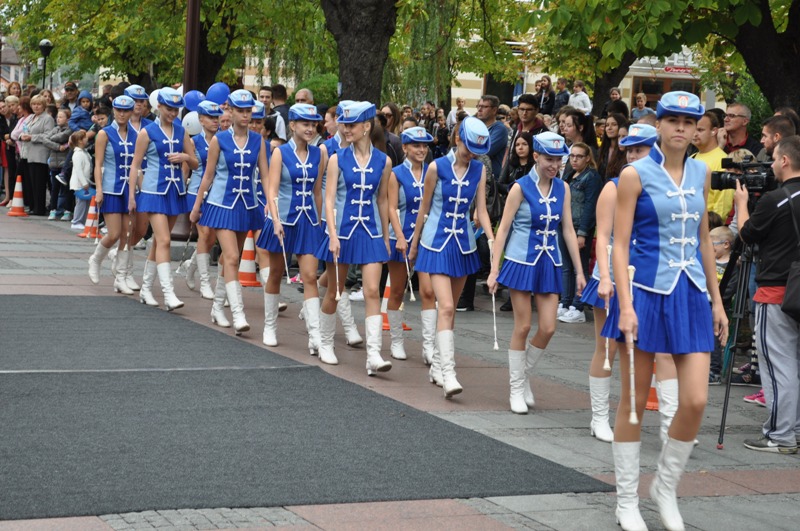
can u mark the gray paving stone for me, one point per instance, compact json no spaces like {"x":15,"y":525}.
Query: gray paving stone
{"x":485,"y":506}
{"x":546,"y":502}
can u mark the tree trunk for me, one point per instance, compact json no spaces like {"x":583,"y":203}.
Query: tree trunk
{"x":144,"y":79}
{"x":209,"y":64}
{"x":609,"y":80}
{"x":773,"y":58}
{"x":362,"y":29}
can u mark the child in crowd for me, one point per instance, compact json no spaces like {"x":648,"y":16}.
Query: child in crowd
{"x":722,"y":239}
{"x":101,"y":118}
{"x":81,"y":118}
{"x":57,"y":140}
{"x":80,"y":182}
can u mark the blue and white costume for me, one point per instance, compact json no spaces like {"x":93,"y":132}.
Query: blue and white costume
{"x":296,"y":203}
{"x":116,"y":169}
{"x":201,"y":152}
{"x":532,"y":255}
{"x":447,"y":244}
{"x":231,"y":202}
{"x":409,"y":199}
{"x":358,"y":221}
{"x":163,"y":190}
{"x":669,"y":294}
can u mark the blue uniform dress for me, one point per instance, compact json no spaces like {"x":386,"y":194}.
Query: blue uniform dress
{"x":296,"y":204}
{"x":409,"y":199}
{"x":144,"y":123}
{"x":332,"y":145}
{"x":231,"y":202}
{"x":590,"y":295}
{"x":532,"y":255}
{"x":163,"y":190}
{"x":358,"y":222}
{"x":116,"y":169}
{"x":201,"y":152}
{"x":447,"y":245}
{"x":669,"y":293}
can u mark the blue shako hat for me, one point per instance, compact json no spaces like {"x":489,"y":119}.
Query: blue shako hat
{"x":170,"y":97}
{"x":680,"y":103}
{"x":209,"y":108}
{"x":475,"y":135}
{"x":137,"y":92}
{"x":304,"y":112}
{"x":241,"y":99}
{"x":123,"y":103}
{"x":340,"y":107}
{"x":416,"y":135}
{"x":640,"y":135}
{"x":259,"y":111}
{"x":357,"y":112}
{"x":551,"y":144}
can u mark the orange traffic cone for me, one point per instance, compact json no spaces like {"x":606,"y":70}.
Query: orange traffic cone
{"x":385,"y":306}
{"x":18,"y":204}
{"x":652,"y":396}
{"x":90,"y":227}
{"x":247,"y":265}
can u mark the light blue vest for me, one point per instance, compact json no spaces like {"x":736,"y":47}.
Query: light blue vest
{"x":356,"y":193}
{"x":296,"y":189}
{"x":332,"y":145}
{"x":667,"y":221}
{"x":144,"y":123}
{"x":160,"y":173}
{"x":409,"y":197}
{"x":234,"y":178}
{"x":261,"y":195}
{"x":534,"y":229}
{"x":201,"y":152}
{"x":596,"y":270}
{"x":117,"y":160}
{"x":449,"y":213}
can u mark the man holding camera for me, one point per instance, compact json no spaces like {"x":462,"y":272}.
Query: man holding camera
{"x":777,"y":334}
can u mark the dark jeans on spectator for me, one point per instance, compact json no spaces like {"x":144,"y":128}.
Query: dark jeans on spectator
{"x":568,"y":296}
{"x":58,"y":193}
{"x":39,"y":178}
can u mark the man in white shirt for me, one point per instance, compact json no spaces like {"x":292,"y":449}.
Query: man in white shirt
{"x":452,"y":118}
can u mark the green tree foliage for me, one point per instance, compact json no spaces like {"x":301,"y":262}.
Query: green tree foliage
{"x":322,"y":86}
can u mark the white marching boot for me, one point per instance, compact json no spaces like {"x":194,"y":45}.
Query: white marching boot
{"x":95,"y":261}
{"x":516,"y":377}
{"x":428,"y":334}
{"x":120,"y":273}
{"x":218,"y":306}
{"x":532,"y":357}
{"x":599,"y":389}
{"x":112,"y":258}
{"x":626,"y":472}
{"x":203,"y":263}
{"x":190,"y":267}
{"x":374,"y":328}
{"x":396,"y":333}
{"x":270,"y":338}
{"x":148,"y":277}
{"x":129,"y":280}
{"x":663,"y":490}
{"x":447,"y":355}
{"x":327,"y":328}
{"x":435,"y":371}
{"x":311,"y":311}
{"x":667,"y":392}
{"x":345,"y":313}
{"x":171,"y":301}
{"x":234,"y":292}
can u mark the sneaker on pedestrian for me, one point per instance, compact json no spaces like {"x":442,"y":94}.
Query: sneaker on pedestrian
{"x":296,"y":279}
{"x":765,"y":444}
{"x":747,"y":378}
{"x":741,"y":369}
{"x":67,"y":216}
{"x":573,"y":315}
{"x":141,"y":244}
{"x":756,"y":398}
{"x":561,"y":310}
{"x":357,"y":295}
{"x":52,"y":216}
{"x":60,"y":178}
{"x":77,"y":225}
{"x":463,"y":307}
{"x":714,"y":379}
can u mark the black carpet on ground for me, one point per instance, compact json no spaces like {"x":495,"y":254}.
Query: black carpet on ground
{"x":87,"y":443}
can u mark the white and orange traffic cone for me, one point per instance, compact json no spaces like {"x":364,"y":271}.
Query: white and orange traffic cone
{"x":247,"y":265}
{"x":90,"y":227}
{"x":18,"y":203}
{"x":385,"y":306}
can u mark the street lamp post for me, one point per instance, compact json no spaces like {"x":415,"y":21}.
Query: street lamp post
{"x":45,"y":46}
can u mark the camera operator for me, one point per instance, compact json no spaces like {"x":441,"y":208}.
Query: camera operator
{"x":777,"y":334}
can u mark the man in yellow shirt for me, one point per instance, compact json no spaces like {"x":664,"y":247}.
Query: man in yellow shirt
{"x":705,"y":139}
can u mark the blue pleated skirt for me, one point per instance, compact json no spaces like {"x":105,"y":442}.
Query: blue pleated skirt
{"x":678,"y":323}
{"x":171,"y":203}
{"x":544,"y":277}
{"x":591,"y":297}
{"x":360,"y":248}
{"x":115,"y":204}
{"x":394,"y":254}
{"x":449,"y":261}
{"x":301,"y":238}
{"x":237,"y":219}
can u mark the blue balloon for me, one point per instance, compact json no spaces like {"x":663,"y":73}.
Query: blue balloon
{"x":192,"y":99}
{"x":218,"y":93}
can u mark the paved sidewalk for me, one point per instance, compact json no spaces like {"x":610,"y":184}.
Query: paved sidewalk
{"x":731,"y":489}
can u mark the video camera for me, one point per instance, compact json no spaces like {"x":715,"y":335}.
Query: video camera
{"x":756,"y":176}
